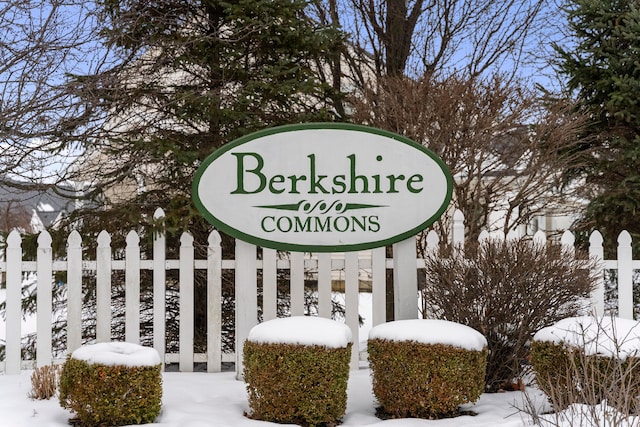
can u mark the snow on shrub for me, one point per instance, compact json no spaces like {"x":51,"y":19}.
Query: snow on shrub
{"x":112,"y":384}
{"x":296,"y":370}
{"x":589,"y":360}
{"x":426,"y":368}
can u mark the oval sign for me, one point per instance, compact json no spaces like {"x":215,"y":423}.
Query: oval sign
{"x":322,"y":187}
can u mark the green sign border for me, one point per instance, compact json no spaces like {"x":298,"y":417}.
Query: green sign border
{"x":221,"y":226}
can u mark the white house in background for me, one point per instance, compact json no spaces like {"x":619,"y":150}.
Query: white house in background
{"x":33,"y":210}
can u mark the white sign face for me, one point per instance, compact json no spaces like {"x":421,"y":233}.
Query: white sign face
{"x":322,"y":187}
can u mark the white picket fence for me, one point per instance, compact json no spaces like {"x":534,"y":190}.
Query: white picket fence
{"x":246,"y":265}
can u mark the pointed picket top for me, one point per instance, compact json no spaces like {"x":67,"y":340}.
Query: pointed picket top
{"x":432,"y":240}
{"x":540,"y":238}
{"x":214,"y":239}
{"x":74,"y":240}
{"x":458,"y":229}
{"x":596,"y":248}
{"x":14,"y":240}
{"x":484,"y":236}
{"x":133,"y":239}
{"x":104,"y":239}
{"x":44,"y":240}
{"x":596,"y":239}
{"x":568,"y":239}
{"x":186,"y":239}
{"x":512,"y":235}
{"x":624,"y":238}
{"x":159,"y":213}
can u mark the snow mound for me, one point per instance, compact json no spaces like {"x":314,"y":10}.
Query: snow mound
{"x":302,"y":330}
{"x":430,"y":331}
{"x":117,"y":354}
{"x":605,"y":336}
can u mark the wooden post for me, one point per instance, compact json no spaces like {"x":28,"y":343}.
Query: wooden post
{"x":405,"y":280}
{"x":159,"y":289}
{"x":246,"y":298}
{"x":351,"y":295}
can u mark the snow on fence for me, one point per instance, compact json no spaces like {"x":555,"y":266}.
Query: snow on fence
{"x":246,"y":264}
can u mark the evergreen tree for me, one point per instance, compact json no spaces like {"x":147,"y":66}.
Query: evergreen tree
{"x":603,"y":69}
{"x":182,"y":78}
{"x":187,"y":77}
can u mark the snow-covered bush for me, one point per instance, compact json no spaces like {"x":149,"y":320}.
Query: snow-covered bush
{"x":425,"y":368}
{"x":588,"y":360}
{"x":111,"y":384}
{"x":507,"y":290}
{"x":296,"y":370}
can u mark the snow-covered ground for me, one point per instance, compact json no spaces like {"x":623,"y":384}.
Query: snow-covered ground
{"x":201,"y":399}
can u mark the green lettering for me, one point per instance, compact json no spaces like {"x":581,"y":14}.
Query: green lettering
{"x":374,"y":225}
{"x":294,"y":183}
{"x":276,"y":179}
{"x":316,"y":182}
{"x":355,"y":178}
{"x":392,"y":182}
{"x":414,"y":179}
{"x":240,"y":173}
{"x":262,"y":224}
{"x":361,"y":225}
{"x":320,"y":226}
{"x":345,"y":224}
{"x":339,"y":184}
{"x":302,"y":226}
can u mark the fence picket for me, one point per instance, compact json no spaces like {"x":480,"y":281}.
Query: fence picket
{"x":457,"y":235}
{"x":132,"y":289}
{"x":214,"y":302}
{"x":103,"y":288}
{"x":596,"y":251}
{"x":13,"y":309}
{"x":186,"y":303}
{"x":568,"y":241}
{"x":44,"y":300}
{"x":625,"y":276}
{"x":540,"y":238}
{"x":74,"y":291}
{"x":246,"y":266}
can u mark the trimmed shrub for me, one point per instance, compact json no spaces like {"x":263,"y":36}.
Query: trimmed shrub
{"x":589,"y":363}
{"x":507,"y":290}
{"x":412,"y":379}
{"x":106,"y":395}
{"x":298,"y":384}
